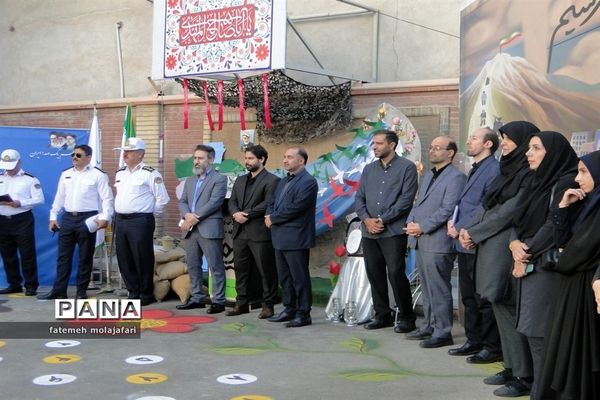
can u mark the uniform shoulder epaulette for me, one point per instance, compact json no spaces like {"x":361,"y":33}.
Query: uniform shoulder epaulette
{"x":121,"y":169}
{"x":66,"y":169}
{"x":148,"y":168}
{"x":28,"y":174}
{"x":100,"y":170}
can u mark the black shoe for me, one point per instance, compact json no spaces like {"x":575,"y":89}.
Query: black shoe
{"x":51,"y":295}
{"x":514,"y":388}
{"x":282,"y":317}
{"x":190,"y":305}
{"x":238,"y":309}
{"x":379,"y":323}
{"x":215,"y":308}
{"x":485,"y":357}
{"x":466,"y":349}
{"x":133,"y":296}
{"x":434,"y":343}
{"x":147,"y":301}
{"x":299,"y":321}
{"x":11,"y":289}
{"x":417,"y":334}
{"x":30,"y":292}
{"x":501,"y":378}
{"x":405,"y":327}
{"x":81,"y":295}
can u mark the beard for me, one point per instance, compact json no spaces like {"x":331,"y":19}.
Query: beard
{"x":252,"y":168}
{"x":198,"y":170}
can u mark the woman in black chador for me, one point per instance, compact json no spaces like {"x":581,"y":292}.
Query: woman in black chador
{"x":572,"y":348}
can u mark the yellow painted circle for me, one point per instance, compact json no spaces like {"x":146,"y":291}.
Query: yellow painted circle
{"x":146,"y":378}
{"x":252,"y":397}
{"x":2,"y":343}
{"x":62,"y":359}
{"x":17,"y":295}
{"x":152,"y":323}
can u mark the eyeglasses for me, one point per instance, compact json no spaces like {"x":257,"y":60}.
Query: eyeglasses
{"x":437,"y":148}
{"x":78,"y":155}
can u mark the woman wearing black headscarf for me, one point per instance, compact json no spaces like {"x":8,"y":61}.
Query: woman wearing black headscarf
{"x":555,"y":164}
{"x":572,"y":348}
{"x":491,"y":235}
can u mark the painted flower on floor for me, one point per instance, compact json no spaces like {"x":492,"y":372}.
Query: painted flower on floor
{"x":165,"y":321}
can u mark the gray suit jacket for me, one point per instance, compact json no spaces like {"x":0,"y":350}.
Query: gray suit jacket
{"x":433,"y":208}
{"x":208,"y":205}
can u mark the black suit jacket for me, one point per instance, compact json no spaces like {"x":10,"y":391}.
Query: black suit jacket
{"x":293,"y":214}
{"x":256,"y":199}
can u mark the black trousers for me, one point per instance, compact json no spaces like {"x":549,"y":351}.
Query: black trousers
{"x":135,"y":253}
{"x":294,"y":278}
{"x":249,"y":257}
{"x":480,"y":323}
{"x":74,"y":232}
{"x":17,"y":236}
{"x":385,"y":258}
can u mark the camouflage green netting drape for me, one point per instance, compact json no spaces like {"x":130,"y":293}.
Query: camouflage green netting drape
{"x":299,"y":112}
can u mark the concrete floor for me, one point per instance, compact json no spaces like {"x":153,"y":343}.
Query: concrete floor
{"x":322,"y":361}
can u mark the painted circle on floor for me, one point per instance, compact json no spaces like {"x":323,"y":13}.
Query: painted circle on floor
{"x":146,"y":378}
{"x":62,"y":359}
{"x":252,"y":397}
{"x":236,"y":379}
{"x":155,"y":398}
{"x":54,"y":379}
{"x":59,"y":344}
{"x":17,"y":295}
{"x":1,"y":359}
{"x":144,"y":359}
{"x":2,"y":343}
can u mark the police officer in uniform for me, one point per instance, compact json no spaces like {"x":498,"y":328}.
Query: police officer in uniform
{"x":83,"y":192}
{"x":17,"y":223}
{"x":141,"y":193}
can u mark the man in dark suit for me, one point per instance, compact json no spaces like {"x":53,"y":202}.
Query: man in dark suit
{"x":291,"y":217}
{"x":434,"y":249}
{"x":252,"y":247}
{"x":383,"y":200}
{"x":202,"y":224}
{"x":483,"y":339}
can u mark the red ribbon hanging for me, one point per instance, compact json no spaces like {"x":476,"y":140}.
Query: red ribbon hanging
{"x":242,"y":93}
{"x":220,"y":103}
{"x":266,"y":104}
{"x":186,"y":111}
{"x":211,"y":124}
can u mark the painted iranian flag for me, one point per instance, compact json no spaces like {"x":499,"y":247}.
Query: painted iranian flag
{"x":128,"y":132}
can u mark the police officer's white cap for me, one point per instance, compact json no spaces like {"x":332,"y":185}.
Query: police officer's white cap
{"x":133,"y":144}
{"x":9,"y":159}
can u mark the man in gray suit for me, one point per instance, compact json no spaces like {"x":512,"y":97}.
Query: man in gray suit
{"x":426,"y":227}
{"x":202,"y":226}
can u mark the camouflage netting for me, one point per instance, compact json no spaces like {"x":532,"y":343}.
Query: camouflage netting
{"x":299,"y":112}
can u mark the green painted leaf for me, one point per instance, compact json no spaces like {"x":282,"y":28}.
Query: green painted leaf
{"x":359,"y":345}
{"x":237,"y":351}
{"x":238,"y":327}
{"x":366,"y":375}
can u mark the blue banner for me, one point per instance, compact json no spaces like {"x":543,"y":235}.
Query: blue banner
{"x":45,"y":153}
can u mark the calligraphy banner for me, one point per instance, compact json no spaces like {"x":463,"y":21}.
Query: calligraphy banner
{"x":217,"y":38}
{"x":45,"y":153}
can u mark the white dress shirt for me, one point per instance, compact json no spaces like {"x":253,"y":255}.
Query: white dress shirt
{"x":81,"y":191}
{"x":23,"y":187}
{"x":140,"y":190}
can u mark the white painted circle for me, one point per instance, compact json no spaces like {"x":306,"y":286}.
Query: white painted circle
{"x":59,"y":344}
{"x":54,"y":379}
{"x":353,"y":242}
{"x":1,"y":359}
{"x":155,"y":398}
{"x":144,"y":359}
{"x":236,"y":379}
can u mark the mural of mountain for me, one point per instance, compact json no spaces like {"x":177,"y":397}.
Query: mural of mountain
{"x":509,"y":88}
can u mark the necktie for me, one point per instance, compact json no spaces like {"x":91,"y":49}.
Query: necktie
{"x":197,"y":193}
